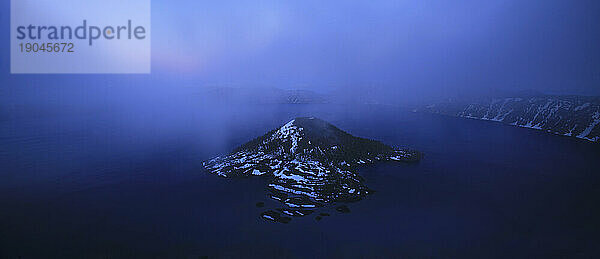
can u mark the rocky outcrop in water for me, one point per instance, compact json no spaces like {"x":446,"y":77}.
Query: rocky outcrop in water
{"x":310,"y":163}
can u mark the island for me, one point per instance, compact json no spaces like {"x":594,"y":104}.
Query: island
{"x":310,"y":163}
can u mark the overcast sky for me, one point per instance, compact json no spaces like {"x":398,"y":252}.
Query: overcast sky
{"x":408,"y":49}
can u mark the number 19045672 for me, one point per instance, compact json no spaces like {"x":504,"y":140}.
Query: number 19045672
{"x":47,"y":47}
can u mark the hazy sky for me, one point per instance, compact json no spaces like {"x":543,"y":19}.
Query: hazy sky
{"x":399,"y":49}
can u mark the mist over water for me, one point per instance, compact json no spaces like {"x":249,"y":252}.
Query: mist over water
{"x":409,"y":52}
{"x":111,"y":165}
{"x":78,"y":176}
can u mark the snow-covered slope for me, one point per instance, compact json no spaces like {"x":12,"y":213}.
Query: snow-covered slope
{"x":309,"y":161}
{"x":575,"y":116}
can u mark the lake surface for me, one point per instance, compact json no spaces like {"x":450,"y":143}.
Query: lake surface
{"x":127,"y":181}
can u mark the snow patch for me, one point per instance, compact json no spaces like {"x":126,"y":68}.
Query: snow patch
{"x":589,"y":129}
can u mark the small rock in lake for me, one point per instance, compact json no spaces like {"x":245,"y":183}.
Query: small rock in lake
{"x":301,"y":202}
{"x":343,"y":209}
{"x":322,"y":214}
{"x":295,"y":212}
{"x":318,"y":218}
{"x":275,"y":216}
{"x":284,"y":220}
{"x":260,"y":204}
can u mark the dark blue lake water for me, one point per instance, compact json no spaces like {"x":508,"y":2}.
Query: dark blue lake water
{"x":117,"y":182}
